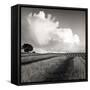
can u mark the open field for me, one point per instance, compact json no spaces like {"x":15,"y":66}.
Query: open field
{"x":52,"y":67}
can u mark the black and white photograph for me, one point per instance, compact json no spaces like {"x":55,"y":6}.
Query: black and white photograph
{"x":53,"y":45}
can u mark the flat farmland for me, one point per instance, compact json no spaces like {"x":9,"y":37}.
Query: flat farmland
{"x":52,"y":67}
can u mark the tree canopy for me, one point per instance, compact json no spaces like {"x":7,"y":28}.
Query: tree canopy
{"x":27,"y":47}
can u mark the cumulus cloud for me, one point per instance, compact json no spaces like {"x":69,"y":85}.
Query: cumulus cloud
{"x":67,"y":36}
{"x":45,"y":29}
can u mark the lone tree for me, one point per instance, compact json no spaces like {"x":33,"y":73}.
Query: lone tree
{"x":27,"y":47}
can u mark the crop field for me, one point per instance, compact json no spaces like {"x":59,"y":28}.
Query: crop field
{"x":51,"y":67}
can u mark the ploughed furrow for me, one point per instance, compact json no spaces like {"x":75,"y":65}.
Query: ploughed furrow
{"x":30,"y":59}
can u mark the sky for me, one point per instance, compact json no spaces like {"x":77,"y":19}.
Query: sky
{"x":52,"y":30}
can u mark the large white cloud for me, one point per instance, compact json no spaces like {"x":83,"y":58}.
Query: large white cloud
{"x":46,"y":29}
